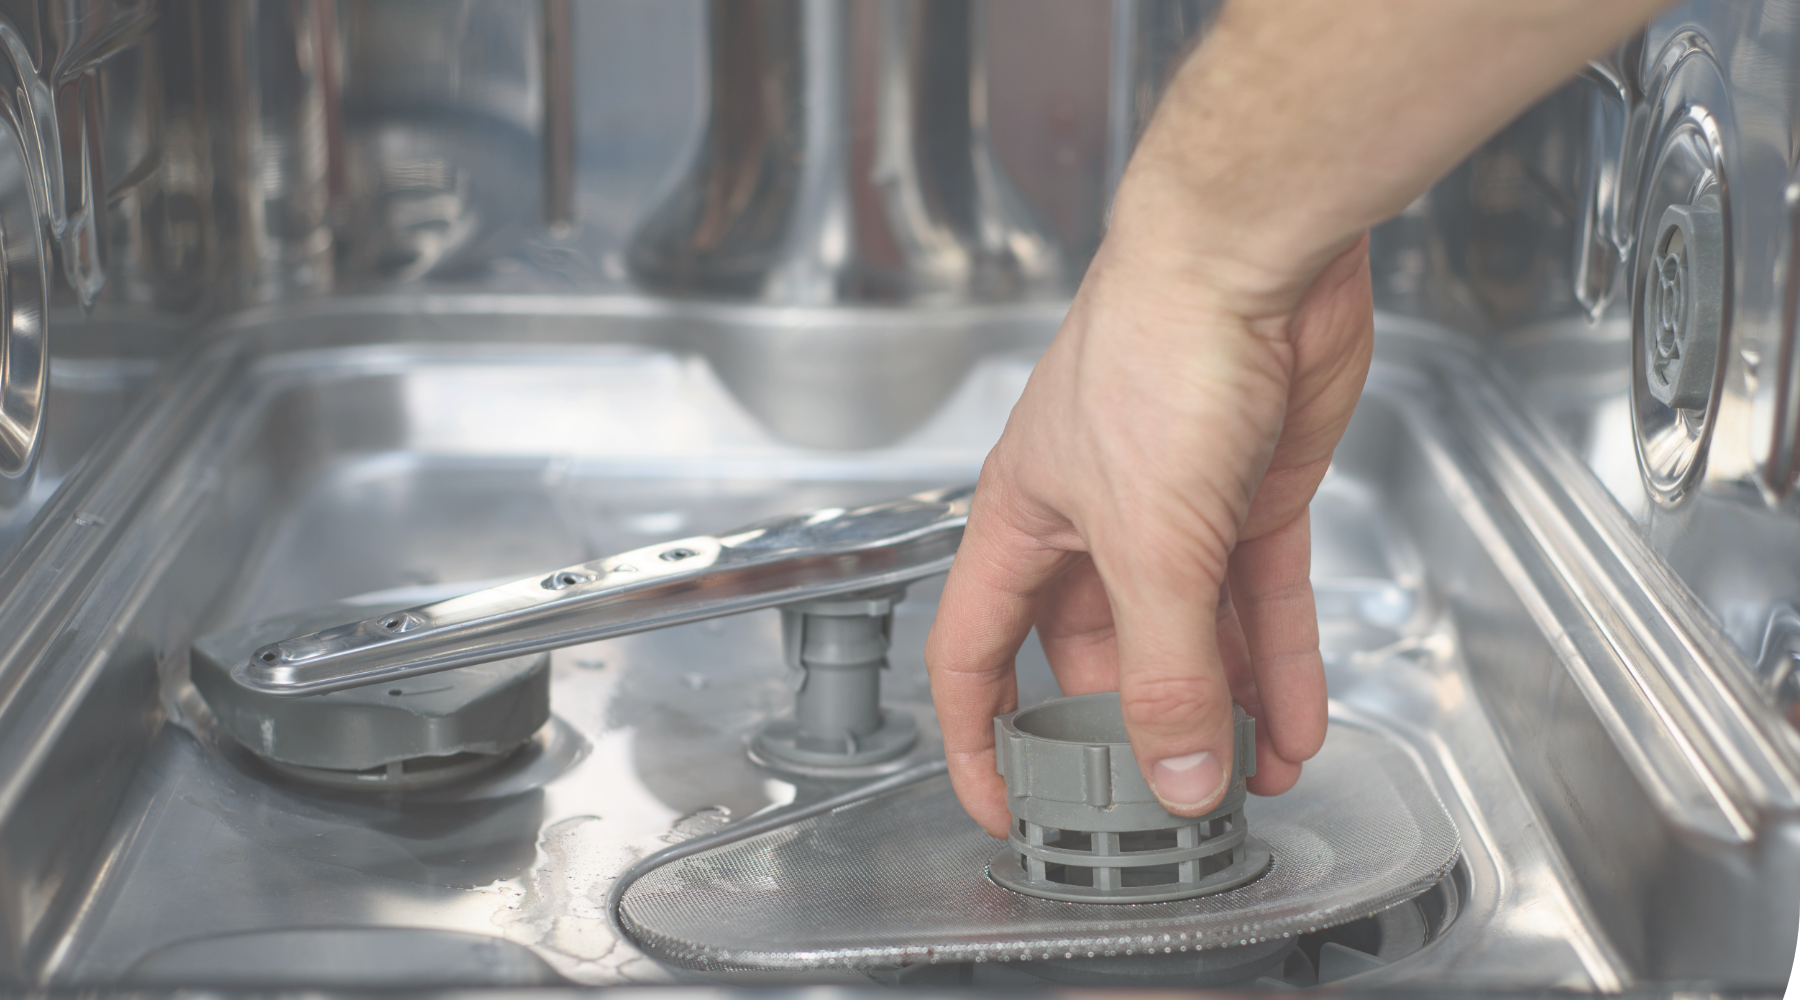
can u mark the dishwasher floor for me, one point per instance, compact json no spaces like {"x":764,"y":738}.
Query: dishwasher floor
{"x":420,"y":470}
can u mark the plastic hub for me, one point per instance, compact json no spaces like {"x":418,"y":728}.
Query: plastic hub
{"x":412,"y":733}
{"x":836,"y":650}
{"x":1086,"y":827}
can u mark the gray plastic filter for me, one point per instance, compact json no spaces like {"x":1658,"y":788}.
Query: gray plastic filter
{"x":1086,"y":827}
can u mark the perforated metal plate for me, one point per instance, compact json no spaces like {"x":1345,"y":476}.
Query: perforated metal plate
{"x":901,"y":879}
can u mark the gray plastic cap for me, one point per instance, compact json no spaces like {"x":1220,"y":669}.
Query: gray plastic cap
{"x":1068,"y":764}
{"x":1086,"y":826}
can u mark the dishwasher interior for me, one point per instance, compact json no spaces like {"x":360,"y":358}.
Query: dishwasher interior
{"x":1557,"y":621}
{"x":397,"y":474}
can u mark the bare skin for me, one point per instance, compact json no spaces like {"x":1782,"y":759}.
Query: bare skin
{"x":1146,"y":507}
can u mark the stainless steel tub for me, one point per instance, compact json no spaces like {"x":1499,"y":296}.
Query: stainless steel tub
{"x":1626,"y":809}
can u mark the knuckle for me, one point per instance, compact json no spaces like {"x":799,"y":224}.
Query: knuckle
{"x":964,"y":667}
{"x":1291,"y":594}
{"x":1169,"y":703}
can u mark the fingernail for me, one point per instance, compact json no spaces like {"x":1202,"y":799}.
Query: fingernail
{"x":1186,"y":782}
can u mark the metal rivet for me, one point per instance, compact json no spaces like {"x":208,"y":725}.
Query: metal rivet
{"x":565,"y":579}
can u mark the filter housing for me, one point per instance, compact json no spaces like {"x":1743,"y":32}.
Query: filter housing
{"x":899,"y":879}
{"x":1087,"y":828}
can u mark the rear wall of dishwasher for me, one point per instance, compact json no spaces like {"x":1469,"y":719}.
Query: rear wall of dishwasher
{"x":236,"y":154}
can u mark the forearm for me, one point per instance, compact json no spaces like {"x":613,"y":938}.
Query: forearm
{"x":1300,"y":123}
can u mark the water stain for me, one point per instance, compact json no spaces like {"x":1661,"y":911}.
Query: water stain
{"x":562,"y":913}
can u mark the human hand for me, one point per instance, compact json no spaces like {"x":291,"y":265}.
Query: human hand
{"x":1146,"y":506}
{"x":1146,"y":510}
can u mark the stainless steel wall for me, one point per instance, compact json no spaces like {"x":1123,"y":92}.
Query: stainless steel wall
{"x":184,"y":160}
{"x":1539,"y":245}
{"x":191,"y":159}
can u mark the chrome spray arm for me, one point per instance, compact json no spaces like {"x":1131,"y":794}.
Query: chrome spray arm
{"x":785,"y":561}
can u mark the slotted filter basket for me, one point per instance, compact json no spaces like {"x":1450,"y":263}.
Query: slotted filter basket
{"x":901,"y":878}
{"x":1087,"y":828}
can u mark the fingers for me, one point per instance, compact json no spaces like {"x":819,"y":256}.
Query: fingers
{"x":1272,"y":593}
{"x":1172,"y":684}
{"x":1274,"y":774}
{"x":987,"y":608}
{"x":1332,"y":335}
{"x":1075,"y":626}
{"x":1234,"y":654}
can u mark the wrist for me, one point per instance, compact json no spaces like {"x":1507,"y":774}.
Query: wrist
{"x":1168,"y":230}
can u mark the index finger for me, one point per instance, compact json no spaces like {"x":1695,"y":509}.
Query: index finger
{"x":989,"y":603}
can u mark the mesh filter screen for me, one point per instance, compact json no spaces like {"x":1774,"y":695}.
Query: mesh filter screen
{"x":900,"y":879}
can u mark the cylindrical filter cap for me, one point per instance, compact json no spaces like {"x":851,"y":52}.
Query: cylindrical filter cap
{"x":1086,"y":826}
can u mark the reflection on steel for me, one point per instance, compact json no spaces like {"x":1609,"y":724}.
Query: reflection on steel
{"x":29,"y":192}
{"x":286,"y":147}
{"x":24,"y":341}
{"x":54,"y":183}
{"x":558,"y":25}
{"x":456,"y":137}
{"x":1686,"y":167}
{"x":805,"y":557}
{"x":1608,"y":172}
{"x":1150,"y":38}
{"x":1776,"y":441}
{"x":846,"y":159}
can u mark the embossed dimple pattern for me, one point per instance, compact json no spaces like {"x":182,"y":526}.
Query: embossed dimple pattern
{"x":901,"y":879}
